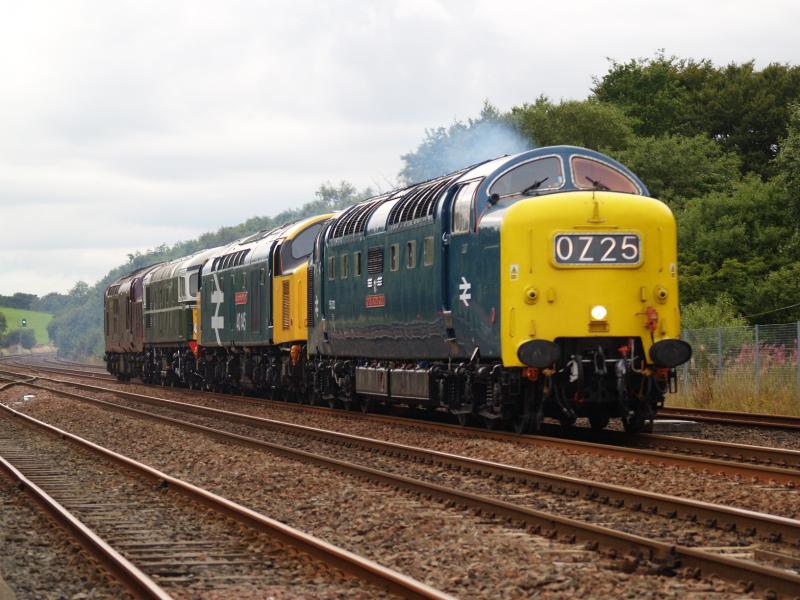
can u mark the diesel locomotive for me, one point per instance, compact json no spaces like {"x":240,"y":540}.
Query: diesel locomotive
{"x":542,"y":284}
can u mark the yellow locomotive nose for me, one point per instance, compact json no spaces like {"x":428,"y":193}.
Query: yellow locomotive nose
{"x":586,"y":265}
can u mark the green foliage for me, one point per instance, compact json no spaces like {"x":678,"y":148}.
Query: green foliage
{"x":19,"y":300}
{"x":445,"y":150}
{"x":742,"y":109}
{"x":25,"y":337}
{"x":721,"y":312}
{"x":587,"y":123}
{"x":788,"y":161}
{"x":735,"y":243}
{"x":3,"y":324}
{"x":677,"y":168}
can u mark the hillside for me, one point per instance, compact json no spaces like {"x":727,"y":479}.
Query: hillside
{"x":37,"y":321}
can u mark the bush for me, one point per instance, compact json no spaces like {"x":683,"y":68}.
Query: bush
{"x":3,"y":324}
{"x":12,"y":338}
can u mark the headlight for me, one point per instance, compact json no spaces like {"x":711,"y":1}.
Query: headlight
{"x":599,"y":312}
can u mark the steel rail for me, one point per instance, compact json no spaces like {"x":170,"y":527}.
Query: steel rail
{"x":339,"y":558}
{"x":771,"y":527}
{"x":757,"y":471}
{"x":137,"y":582}
{"x":538,"y":522}
{"x":727,"y":453}
{"x":733,"y":418}
{"x":711,"y":448}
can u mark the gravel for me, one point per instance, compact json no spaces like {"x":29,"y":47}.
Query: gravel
{"x":183,"y":546}
{"x":39,"y":560}
{"x":709,"y":487}
{"x":459,"y":553}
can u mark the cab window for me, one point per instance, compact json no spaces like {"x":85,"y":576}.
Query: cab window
{"x":589,"y":174}
{"x":295,"y":252}
{"x":535,"y":176}
{"x":462,"y":207}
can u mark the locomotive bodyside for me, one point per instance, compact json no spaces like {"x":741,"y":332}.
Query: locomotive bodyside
{"x":123,"y":323}
{"x":253,"y":310}
{"x":505,"y":323}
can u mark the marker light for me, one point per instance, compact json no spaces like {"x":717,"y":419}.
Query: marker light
{"x":599,"y":312}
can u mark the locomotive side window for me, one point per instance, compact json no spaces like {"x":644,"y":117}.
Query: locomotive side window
{"x":331,"y":268}
{"x":194,"y":282}
{"x":537,"y":175}
{"x":356,"y":264}
{"x":462,"y":207}
{"x":394,"y":257}
{"x":427,"y":252}
{"x":591,"y":174}
{"x":345,"y":265}
{"x":411,"y":254}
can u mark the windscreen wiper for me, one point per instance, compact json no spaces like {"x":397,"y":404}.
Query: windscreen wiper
{"x":598,"y":185}
{"x":534,"y":186}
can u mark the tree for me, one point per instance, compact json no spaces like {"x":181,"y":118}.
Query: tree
{"x":677,"y":168}
{"x":788,"y":161}
{"x":721,"y":312}
{"x":445,"y":150}
{"x":587,"y":123}
{"x":734,"y":243}
{"x":657,"y":93}
{"x":25,"y":337}
{"x":742,"y":109}
{"x":3,"y":323}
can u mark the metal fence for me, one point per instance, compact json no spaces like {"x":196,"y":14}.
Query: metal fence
{"x":756,"y":361}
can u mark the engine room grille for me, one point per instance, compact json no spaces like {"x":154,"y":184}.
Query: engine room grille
{"x":375,"y":260}
{"x":287,"y":321}
{"x":310,"y":297}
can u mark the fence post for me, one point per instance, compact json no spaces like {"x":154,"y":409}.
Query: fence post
{"x":758,"y":364}
{"x":686,"y":365}
{"x":720,"y":359}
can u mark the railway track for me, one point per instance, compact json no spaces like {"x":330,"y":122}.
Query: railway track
{"x":165,"y":543}
{"x":734,"y":418}
{"x":774,"y":529}
{"x":760,"y":462}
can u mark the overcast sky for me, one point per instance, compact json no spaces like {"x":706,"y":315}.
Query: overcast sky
{"x":124,"y":125}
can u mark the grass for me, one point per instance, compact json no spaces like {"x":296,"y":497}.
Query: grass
{"x":36,"y":320}
{"x":734,"y":389}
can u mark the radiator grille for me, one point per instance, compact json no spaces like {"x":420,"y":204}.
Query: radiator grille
{"x":310,"y":298}
{"x":375,"y":260}
{"x":287,"y":321}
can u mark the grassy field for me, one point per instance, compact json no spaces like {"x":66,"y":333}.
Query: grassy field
{"x":36,"y":320}
{"x":779,"y":392}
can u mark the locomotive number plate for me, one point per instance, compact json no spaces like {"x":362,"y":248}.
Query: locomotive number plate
{"x":597,"y":249}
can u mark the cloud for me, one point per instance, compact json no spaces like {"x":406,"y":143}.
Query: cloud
{"x":128,"y":124}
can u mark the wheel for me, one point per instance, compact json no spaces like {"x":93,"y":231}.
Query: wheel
{"x":635,"y":422}
{"x":462,"y":418}
{"x":365,"y":405}
{"x":566,"y":422}
{"x":490,"y":423}
{"x":523,"y":424}
{"x":598,"y":421}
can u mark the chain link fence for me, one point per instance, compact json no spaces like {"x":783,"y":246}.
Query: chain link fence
{"x":752,"y":368}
